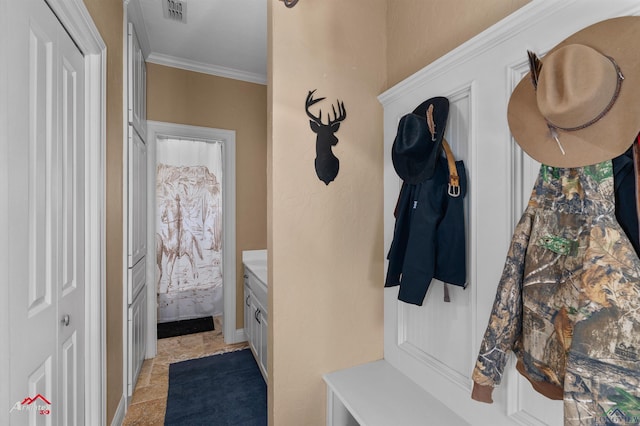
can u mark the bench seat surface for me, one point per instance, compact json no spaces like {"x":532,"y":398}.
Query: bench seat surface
{"x":377,"y":394}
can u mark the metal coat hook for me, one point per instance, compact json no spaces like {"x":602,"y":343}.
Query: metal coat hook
{"x":290,"y":3}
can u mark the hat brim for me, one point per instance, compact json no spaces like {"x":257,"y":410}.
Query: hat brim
{"x":608,"y":137}
{"x":414,"y":171}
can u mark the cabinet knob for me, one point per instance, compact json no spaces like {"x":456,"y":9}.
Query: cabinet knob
{"x":257,"y":316}
{"x":66,"y":319}
{"x":246,"y":276}
{"x":247,"y":301}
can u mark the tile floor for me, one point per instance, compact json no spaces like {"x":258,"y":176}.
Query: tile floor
{"x":149,"y":400}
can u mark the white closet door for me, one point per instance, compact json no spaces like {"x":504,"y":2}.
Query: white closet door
{"x":46,"y":210}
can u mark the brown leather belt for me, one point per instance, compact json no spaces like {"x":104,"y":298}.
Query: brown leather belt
{"x":454,"y":179}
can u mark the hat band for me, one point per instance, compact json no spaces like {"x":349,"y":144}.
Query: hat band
{"x":606,"y":109}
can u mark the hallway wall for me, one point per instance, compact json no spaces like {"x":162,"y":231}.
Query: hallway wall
{"x":325,"y":241}
{"x":186,"y":97}
{"x":326,"y":260}
{"x":419,"y":32}
{"x":333,"y":235}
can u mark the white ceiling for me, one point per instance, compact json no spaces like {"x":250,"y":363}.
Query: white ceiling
{"x":227,"y":38}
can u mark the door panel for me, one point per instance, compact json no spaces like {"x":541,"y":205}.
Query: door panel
{"x":41,"y":75}
{"x":46,"y":213}
{"x":137,"y":76}
{"x":69,"y":378}
{"x":69,"y":229}
{"x":39,"y":383}
{"x":137,"y":278}
{"x":137,"y":198}
{"x":264,"y":327}
{"x":33,"y":307}
{"x":137,"y":344}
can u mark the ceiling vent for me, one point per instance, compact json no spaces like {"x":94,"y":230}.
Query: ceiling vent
{"x":176,"y":10}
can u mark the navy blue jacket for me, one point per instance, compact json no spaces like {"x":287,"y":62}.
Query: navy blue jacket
{"x":429,"y":236}
{"x":625,"y":189}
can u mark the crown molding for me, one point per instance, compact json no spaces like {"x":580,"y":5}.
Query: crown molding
{"x":172,"y":61}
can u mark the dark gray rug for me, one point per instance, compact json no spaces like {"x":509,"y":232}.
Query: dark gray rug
{"x":224,"y":390}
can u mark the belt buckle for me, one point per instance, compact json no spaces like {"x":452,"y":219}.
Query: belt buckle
{"x":454,"y":190}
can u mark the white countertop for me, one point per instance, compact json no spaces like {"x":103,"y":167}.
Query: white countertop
{"x":256,"y":262}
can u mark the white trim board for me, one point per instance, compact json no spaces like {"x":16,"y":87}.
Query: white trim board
{"x":228,"y":139}
{"x":120,"y":414}
{"x":172,"y":61}
{"x":5,"y":333}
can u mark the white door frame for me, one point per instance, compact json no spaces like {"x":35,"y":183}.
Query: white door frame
{"x":228,"y":138}
{"x":77,"y":21}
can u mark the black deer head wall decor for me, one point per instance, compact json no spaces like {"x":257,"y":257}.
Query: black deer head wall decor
{"x":327,"y":164}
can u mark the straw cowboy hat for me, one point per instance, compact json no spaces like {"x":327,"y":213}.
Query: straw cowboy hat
{"x":415,"y":149}
{"x":580,"y":104}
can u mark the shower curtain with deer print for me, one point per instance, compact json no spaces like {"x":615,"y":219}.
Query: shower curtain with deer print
{"x":188,"y":229}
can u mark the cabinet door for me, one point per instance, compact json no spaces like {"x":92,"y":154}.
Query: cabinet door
{"x":136,"y":280}
{"x":254,"y":342}
{"x":137,"y":189}
{"x":262,"y":352}
{"x":137,"y":84}
{"x":137,"y":342}
{"x":247,"y":311}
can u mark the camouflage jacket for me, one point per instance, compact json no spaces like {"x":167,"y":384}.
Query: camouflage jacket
{"x":568,"y":301}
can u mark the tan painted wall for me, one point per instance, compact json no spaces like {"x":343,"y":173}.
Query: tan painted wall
{"x":185,"y":97}
{"x":419,"y":31}
{"x":107,"y":16}
{"x":325,"y":242}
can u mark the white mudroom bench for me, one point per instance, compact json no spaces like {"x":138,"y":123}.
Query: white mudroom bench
{"x":377,"y":394}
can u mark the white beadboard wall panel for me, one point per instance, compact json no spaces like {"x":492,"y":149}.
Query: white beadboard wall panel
{"x":524,"y":169}
{"x":427,"y":332}
{"x":524,"y":404}
{"x":436,"y":345}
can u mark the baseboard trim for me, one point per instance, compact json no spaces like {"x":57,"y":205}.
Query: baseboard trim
{"x":237,"y":337}
{"x":118,"y":418}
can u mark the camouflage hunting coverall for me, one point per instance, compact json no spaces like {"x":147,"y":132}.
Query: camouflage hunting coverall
{"x":568,"y":301}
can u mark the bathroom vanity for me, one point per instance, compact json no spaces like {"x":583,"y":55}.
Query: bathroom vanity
{"x":255,"y":305}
